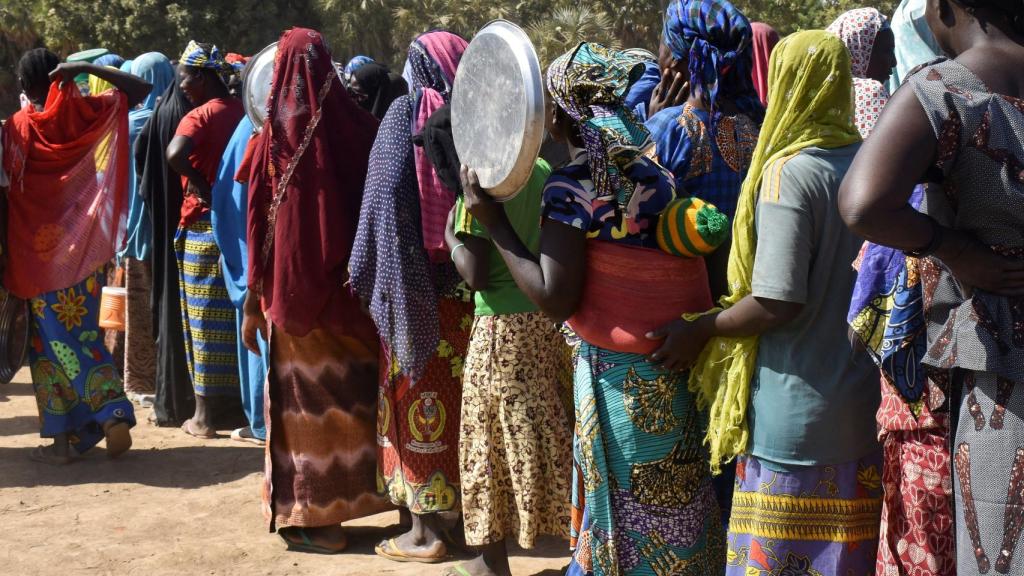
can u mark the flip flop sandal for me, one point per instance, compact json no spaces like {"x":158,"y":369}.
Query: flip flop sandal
{"x":390,"y":550}
{"x":45,"y":455}
{"x":119,"y":438}
{"x":246,"y":435}
{"x":307,"y":544}
{"x":186,"y":427}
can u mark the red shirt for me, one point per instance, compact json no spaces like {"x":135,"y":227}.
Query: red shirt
{"x":210,"y":127}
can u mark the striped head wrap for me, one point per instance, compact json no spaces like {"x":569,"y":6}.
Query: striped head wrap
{"x":717,"y":41}
{"x":198,"y":57}
{"x":590,"y":83}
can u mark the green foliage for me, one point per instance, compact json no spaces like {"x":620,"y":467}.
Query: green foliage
{"x":379,"y":28}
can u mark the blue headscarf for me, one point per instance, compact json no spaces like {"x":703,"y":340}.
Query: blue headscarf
{"x":356,"y":63}
{"x":111,"y":60}
{"x":717,"y":40}
{"x":155,"y":68}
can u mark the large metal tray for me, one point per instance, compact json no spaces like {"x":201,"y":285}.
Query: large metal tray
{"x":498,"y":108}
{"x":256,"y":82}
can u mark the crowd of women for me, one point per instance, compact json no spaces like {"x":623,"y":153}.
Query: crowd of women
{"x":666,"y":348}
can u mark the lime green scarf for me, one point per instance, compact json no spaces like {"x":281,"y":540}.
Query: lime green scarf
{"x":810,"y":104}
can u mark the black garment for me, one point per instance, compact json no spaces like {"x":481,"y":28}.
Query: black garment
{"x":439,"y":146}
{"x":160,"y":189}
{"x":380,"y":88}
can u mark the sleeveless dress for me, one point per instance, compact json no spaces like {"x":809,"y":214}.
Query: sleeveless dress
{"x":975,"y":335}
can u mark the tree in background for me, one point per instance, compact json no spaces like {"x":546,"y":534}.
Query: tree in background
{"x":381,"y":29}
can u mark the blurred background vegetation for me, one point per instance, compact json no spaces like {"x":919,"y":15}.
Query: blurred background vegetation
{"x":378,"y":28}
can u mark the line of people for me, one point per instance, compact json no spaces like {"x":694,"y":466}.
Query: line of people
{"x":665,"y":349}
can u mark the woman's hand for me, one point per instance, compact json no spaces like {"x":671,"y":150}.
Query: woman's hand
{"x":66,"y":72}
{"x":478,"y":203}
{"x":975,"y":265}
{"x":253,"y":322}
{"x":672,"y":90}
{"x":684,"y":342}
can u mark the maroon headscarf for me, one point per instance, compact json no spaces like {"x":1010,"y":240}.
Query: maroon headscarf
{"x":765,"y":39}
{"x":306,"y":188}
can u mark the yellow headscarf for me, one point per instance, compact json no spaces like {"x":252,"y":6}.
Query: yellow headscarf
{"x":98,"y":85}
{"x":811,"y":104}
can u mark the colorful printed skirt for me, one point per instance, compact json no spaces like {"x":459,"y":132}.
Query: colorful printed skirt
{"x":418,"y":426}
{"x":650,"y":507}
{"x":916,"y":535}
{"x":140,"y":343}
{"x":812,"y":520}
{"x":321,"y":457}
{"x":515,"y":458}
{"x":988,"y":484}
{"x":76,"y":385}
{"x":207,"y":314}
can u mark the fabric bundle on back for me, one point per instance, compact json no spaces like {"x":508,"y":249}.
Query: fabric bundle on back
{"x":76,"y":151}
{"x":405,"y":208}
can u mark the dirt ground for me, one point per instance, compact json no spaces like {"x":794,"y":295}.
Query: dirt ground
{"x":173,"y":505}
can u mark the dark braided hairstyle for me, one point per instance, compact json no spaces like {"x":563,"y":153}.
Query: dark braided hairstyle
{"x":34,"y":68}
{"x":1012,"y":10}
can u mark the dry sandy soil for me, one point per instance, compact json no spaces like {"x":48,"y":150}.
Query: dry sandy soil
{"x":173,"y":505}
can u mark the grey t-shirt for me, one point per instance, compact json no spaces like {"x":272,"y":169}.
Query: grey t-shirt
{"x":814,"y":398}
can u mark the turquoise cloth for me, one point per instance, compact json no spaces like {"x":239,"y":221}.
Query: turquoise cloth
{"x":915,"y":43}
{"x":76,"y":385}
{"x":155,"y":68}
{"x":228,"y":213}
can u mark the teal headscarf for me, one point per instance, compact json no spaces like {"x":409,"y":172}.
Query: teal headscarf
{"x":155,"y":68}
{"x":915,"y":43}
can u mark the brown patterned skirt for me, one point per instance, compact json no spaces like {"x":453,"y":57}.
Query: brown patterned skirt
{"x":140,"y":345}
{"x":321,"y":404}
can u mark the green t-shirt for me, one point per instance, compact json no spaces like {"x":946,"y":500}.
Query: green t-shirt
{"x":502,"y":296}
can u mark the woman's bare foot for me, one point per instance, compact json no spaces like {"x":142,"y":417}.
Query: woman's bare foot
{"x":118,"y":437}
{"x":422,"y":543}
{"x":50,"y":455}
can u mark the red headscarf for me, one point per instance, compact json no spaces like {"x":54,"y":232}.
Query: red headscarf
{"x":68,"y":199}
{"x":306,"y":187}
{"x":765,"y":39}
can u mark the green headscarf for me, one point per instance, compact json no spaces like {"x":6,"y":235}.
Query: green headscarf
{"x":810,"y":72}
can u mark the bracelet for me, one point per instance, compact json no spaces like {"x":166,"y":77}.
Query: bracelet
{"x":933,"y":244}
{"x":457,"y":246}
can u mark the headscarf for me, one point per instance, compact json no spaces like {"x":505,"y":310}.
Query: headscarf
{"x":160,"y":187}
{"x":915,"y":43}
{"x":155,"y":68}
{"x":380,"y":86}
{"x":68,"y":170}
{"x":356,"y":63}
{"x":765,"y":39}
{"x":391,"y":268}
{"x":858,"y":30}
{"x":98,"y":85}
{"x":198,"y":57}
{"x":810,"y":72}
{"x":305,"y":189}
{"x":717,"y":40}
{"x":126,"y":66}
{"x":111,"y":60}
{"x":433,"y":59}
{"x":590,"y":83}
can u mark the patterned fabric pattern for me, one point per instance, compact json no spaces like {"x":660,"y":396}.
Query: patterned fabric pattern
{"x":717,"y":41}
{"x":590,"y":84}
{"x":981,"y":152}
{"x":515,"y":459}
{"x":570,"y":197}
{"x":207,"y":314}
{"x":988,"y":475}
{"x":809,"y":521}
{"x":418,"y":427}
{"x":708,"y":165}
{"x":197,"y":57}
{"x":858,"y":29}
{"x":140,"y":343}
{"x":321,"y":406}
{"x":76,"y":385}
{"x":650,"y":506}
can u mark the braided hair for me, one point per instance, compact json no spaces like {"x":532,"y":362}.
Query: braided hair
{"x":34,"y":68}
{"x":1012,"y":10}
